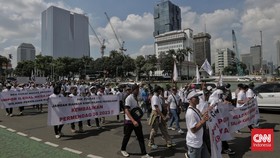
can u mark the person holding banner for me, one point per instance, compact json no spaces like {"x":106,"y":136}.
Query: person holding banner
{"x":195,"y":122}
{"x":9,"y":111}
{"x":130,"y":124}
{"x":57,"y":128}
{"x":74,"y":92}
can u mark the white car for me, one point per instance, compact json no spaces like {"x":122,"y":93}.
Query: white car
{"x":243,"y":79}
{"x":268,"y":96}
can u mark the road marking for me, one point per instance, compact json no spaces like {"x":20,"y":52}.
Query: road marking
{"x":36,"y":139}
{"x":93,"y":156}
{"x":72,"y":150}
{"x":11,"y":130}
{"x":3,"y":126}
{"x":22,"y":134}
{"x":51,"y":144}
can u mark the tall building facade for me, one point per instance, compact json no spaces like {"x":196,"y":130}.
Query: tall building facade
{"x":223,"y":58}
{"x":175,"y":40}
{"x":202,"y":48}
{"x":26,"y":51}
{"x":167,"y":17}
{"x":64,"y":34}
{"x":278,"y":53}
{"x":247,"y":59}
{"x":255,"y":51}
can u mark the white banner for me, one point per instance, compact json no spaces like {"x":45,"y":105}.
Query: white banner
{"x":12,"y":99}
{"x":62,"y":110}
{"x":223,"y":122}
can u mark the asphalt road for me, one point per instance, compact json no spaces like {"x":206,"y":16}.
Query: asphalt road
{"x":107,"y":142}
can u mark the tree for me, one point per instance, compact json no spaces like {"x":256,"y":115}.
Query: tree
{"x":25,"y":68}
{"x":166,"y":62}
{"x":139,"y":63}
{"x":42,"y":64}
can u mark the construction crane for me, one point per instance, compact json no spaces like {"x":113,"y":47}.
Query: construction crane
{"x":120,"y":44}
{"x":102,"y":48}
{"x":235,"y":48}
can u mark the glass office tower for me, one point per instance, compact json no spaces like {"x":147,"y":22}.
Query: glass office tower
{"x":167,"y":17}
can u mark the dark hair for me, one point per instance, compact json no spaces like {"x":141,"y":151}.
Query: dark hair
{"x":135,"y":86}
{"x":57,"y":89}
{"x":157,"y":89}
{"x":240,"y":85}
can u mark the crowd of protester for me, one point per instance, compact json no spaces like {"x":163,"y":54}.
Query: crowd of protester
{"x":161,"y":104}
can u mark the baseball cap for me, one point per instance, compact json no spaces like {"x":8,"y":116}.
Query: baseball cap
{"x":193,"y":94}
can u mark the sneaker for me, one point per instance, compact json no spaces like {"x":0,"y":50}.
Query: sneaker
{"x":171,"y":145}
{"x":57,"y":136}
{"x":154,"y":146}
{"x":186,"y":155}
{"x":89,"y":126}
{"x":73,"y":131}
{"x":181,"y":131}
{"x":238,"y":132}
{"x":11,"y":115}
{"x":124,"y":153}
{"x":7,"y":114}
{"x":228,"y":151}
{"x":20,"y":114}
{"x":171,"y":128}
{"x":146,"y":156}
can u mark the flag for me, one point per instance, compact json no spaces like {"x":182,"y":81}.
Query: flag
{"x":175,"y":73}
{"x":207,"y":67}
{"x":197,"y":75}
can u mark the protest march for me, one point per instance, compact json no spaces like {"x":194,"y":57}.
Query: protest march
{"x":77,"y":103}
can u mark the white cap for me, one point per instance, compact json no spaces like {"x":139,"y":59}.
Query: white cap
{"x":193,"y":94}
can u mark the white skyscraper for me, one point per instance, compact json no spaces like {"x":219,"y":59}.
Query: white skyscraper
{"x":64,"y":34}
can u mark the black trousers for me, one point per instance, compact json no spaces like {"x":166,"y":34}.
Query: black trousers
{"x":128,"y":128}
{"x":9,"y":110}
{"x":80,"y":124}
{"x":57,"y":129}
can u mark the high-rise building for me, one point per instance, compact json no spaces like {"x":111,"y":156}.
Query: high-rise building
{"x":223,"y":58}
{"x":167,"y":17}
{"x":255,"y":51}
{"x":25,"y":51}
{"x":202,"y":48}
{"x":278,"y":52}
{"x":247,"y":59}
{"x":175,"y":40}
{"x":64,"y":34}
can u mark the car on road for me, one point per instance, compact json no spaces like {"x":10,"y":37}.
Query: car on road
{"x":268,"y":96}
{"x":243,"y":79}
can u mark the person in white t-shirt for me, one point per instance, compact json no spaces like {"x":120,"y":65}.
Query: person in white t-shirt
{"x":195,"y":122}
{"x":158,"y":120}
{"x":130,"y":124}
{"x":174,"y":101}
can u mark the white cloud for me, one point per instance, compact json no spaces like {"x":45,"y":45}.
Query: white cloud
{"x":20,"y":21}
{"x":144,"y":50}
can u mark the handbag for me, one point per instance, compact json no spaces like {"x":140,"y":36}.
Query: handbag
{"x":136,"y":113}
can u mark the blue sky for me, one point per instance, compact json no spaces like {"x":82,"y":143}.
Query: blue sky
{"x":20,"y":21}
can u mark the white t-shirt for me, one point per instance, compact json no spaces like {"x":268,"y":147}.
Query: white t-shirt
{"x":172,"y":101}
{"x":240,"y":96}
{"x":194,"y":140}
{"x":130,"y":102}
{"x":155,"y":100}
{"x":250,"y":93}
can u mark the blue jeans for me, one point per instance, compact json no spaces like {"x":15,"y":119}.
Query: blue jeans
{"x":175,"y":118}
{"x":201,"y":152}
